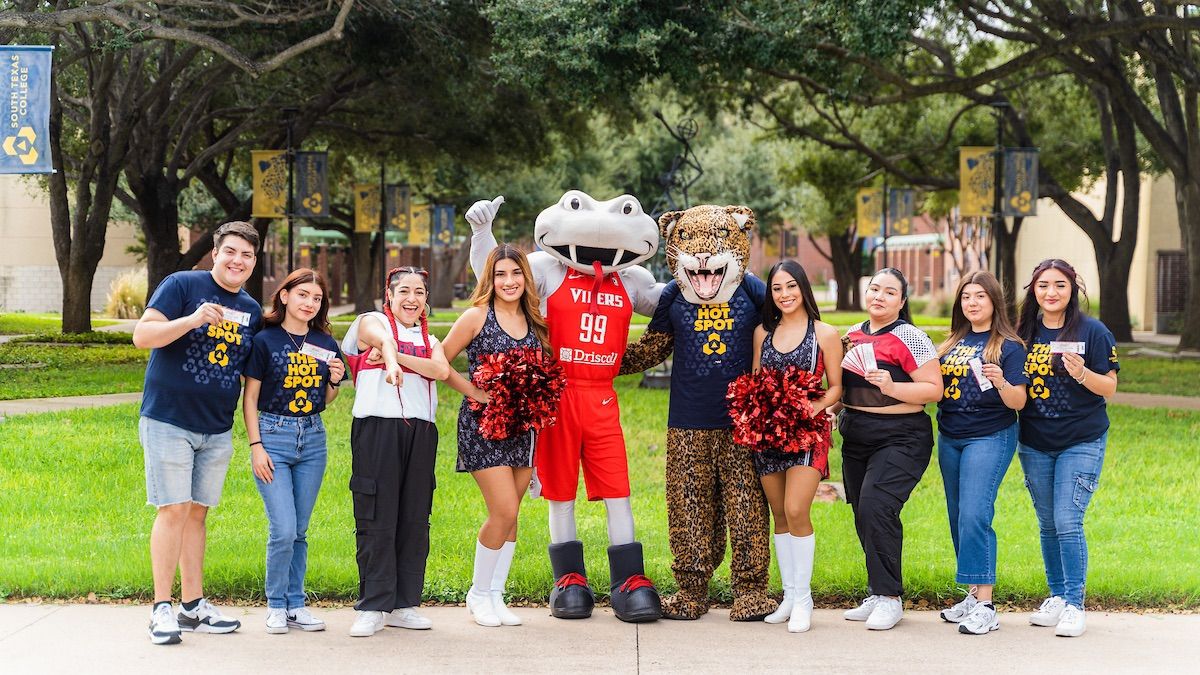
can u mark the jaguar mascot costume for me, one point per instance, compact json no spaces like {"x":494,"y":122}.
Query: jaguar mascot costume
{"x":707,"y":315}
{"x":589,"y":282}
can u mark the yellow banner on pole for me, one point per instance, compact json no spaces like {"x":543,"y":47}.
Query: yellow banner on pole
{"x":366,"y":207}
{"x":269,"y":180}
{"x":976,"y":180}
{"x":869,"y":211}
{"x":418,"y":234}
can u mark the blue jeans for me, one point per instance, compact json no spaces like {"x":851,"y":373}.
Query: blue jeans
{"x":296,"y":445}
{"x":972,"y":469}
{"x":1062,"y":483}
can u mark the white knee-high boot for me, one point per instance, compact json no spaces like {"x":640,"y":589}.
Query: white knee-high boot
{"x":479,"y":598}
{"x":787,"y":573}
{"x":802,"y":557}
{"x":499,"y":579}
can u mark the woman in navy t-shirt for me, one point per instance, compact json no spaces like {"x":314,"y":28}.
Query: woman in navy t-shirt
{"x":983,"y":379}
{"x":293,"y":371}
{"x":1072,"y":367}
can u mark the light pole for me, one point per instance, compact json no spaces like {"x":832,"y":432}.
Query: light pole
{"x":998,"y":108}
{"x":291,"y":161}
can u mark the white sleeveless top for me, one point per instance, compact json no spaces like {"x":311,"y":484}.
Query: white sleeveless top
{"x":374,"y":397}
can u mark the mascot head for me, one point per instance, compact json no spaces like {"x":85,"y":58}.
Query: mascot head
{"x":708,"y":248}
{"x":580,"y":231}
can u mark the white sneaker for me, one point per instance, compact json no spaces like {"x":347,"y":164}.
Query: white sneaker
{"x":304,"y":620}
{"x":367,"y":624}
{"x":981,"y":621}
{"x":506,"y":615}
{"x":164,"y":627}
{"x":960,"y":611}
{"x":863,"y":611}
{"x":1049,"y":613}
{"x":479,"y":604}
{"x":1071,"y":624}
{"x":887,"y":613}
{"x":407,"y":617}
{"x":277,"y":621}
{"x":206,"y":619}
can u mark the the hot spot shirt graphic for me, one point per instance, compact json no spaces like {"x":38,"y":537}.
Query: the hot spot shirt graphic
{"x":213,"y":349}
{"x":1039,"y":366}
{"x":955,"y":367}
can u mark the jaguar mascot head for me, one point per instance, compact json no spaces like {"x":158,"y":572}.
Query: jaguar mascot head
{"x":708,"y":248}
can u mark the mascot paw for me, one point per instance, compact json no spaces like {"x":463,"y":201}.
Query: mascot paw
{"x":752,"y":607}
{"x":685,"y":606}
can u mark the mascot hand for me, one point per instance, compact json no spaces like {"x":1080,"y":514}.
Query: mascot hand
{"x":482,"y":213}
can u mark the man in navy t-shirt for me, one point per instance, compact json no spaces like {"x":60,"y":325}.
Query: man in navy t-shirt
{"x":199,"y":327}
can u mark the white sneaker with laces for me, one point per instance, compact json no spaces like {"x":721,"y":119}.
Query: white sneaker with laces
{"x":277,"y":622}
{"x":1072,"y":623}
{"x":367,"y":624}
{"x":164,"y":628}
{"x":304,"y":620}
{"x":981,"y":621}
{"x":407,"y":617}
{"x":207,"y":619}
{"x":960,"y":611}
{"x":863,"y":611}
{"x":887,"y":613}
{"x":1049,"y":613}
{"x":506,"y":615}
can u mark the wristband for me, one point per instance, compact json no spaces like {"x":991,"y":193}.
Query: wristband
{"x":1082,"y":377}
{"x":254,"y":443}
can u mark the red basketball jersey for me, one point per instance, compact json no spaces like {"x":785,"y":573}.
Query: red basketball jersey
{"x":589,"y":346}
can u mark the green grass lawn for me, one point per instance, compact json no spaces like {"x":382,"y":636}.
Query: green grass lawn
{"x":20,"y":323}
{"x":1156,"y":375}
{"x":73,"y":519}
{"x":39,"y":370}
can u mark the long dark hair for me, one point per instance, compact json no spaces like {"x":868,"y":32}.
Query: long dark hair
{"x":1027,"y":322}
{"x":1002,"y":329}
{"x":772,"y":315}
{"x":303,"y":275}
{"x":905,"y":312}
{"x":531,"y":304}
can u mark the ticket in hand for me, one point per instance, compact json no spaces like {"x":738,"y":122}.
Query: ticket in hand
{"x":236,"y":316}
{"x":868,"y":357}
{"x":977,"y":370}
{"x":318,"y":353}
{"x":1057,"y":347}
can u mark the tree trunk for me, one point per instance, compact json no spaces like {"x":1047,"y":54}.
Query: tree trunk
{"x":364,"y":254}
{"x":845,"y":252}
{"x":1187,"y":197}
{"x":449,"y":262}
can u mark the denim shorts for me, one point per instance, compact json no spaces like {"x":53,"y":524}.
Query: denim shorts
{"x":183,"y":466}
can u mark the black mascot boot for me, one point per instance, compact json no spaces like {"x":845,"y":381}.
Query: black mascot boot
{"x":571,"y":597}
{"x":634,"y":598}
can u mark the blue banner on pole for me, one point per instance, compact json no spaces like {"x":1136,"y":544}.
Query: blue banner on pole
{"x":1020,"y":182}
{"x":901,"y":202}
{"x":25,"y":89}
{"x":443,"y":224}
{"x":312,"y":185}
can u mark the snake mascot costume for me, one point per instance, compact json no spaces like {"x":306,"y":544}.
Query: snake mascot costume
{"x":589,"y":281}
{"x":706,"y":316}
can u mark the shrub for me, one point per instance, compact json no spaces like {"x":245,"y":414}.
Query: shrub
{"x":127,"y":295}
{"x":94,"y":337}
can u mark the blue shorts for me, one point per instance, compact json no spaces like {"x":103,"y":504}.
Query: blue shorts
{"x":183,"y":466}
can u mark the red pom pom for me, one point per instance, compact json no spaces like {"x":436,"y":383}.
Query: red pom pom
{"x":772,"y":409}
{"x":523,"y":386}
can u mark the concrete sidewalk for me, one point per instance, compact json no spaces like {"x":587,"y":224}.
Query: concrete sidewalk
{"x":25,"y":406}
{"x":50,"y":638}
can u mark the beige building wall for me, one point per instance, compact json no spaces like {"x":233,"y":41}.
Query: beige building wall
{"x":29,"y":278}
{"x":1051,"y":234}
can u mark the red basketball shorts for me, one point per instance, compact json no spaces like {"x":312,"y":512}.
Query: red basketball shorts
{"x":587,"y":432}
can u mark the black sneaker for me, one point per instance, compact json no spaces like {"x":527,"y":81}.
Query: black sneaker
{"x":164,"y":629}
{"x":206,"y":619}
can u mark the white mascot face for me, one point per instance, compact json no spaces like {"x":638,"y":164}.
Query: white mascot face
{"x":580,"y":231}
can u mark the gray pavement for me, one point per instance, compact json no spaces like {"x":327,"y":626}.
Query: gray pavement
{"x":25,"y":406}
{"x":53,"y":638}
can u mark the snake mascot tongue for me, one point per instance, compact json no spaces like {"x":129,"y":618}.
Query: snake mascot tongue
{"x":707,"y":316}
{"x":589,"y":281}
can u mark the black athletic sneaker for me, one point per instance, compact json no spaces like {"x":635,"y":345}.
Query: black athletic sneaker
{"x":164,"y":629}
{"x":206,"y":619}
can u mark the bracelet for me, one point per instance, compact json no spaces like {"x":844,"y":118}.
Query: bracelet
{"x":1082,"y":377}
{"x":254,"y":443}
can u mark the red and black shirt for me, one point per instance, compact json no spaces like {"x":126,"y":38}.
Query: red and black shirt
{"x":900,"y":348}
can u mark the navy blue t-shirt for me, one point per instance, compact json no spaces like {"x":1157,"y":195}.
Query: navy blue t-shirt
{"x":965,"y":411}
{"x":194,"y":382}
{"x":293,"y":384}
{"x":1061,"y":412}
{"x":714,"y":344}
